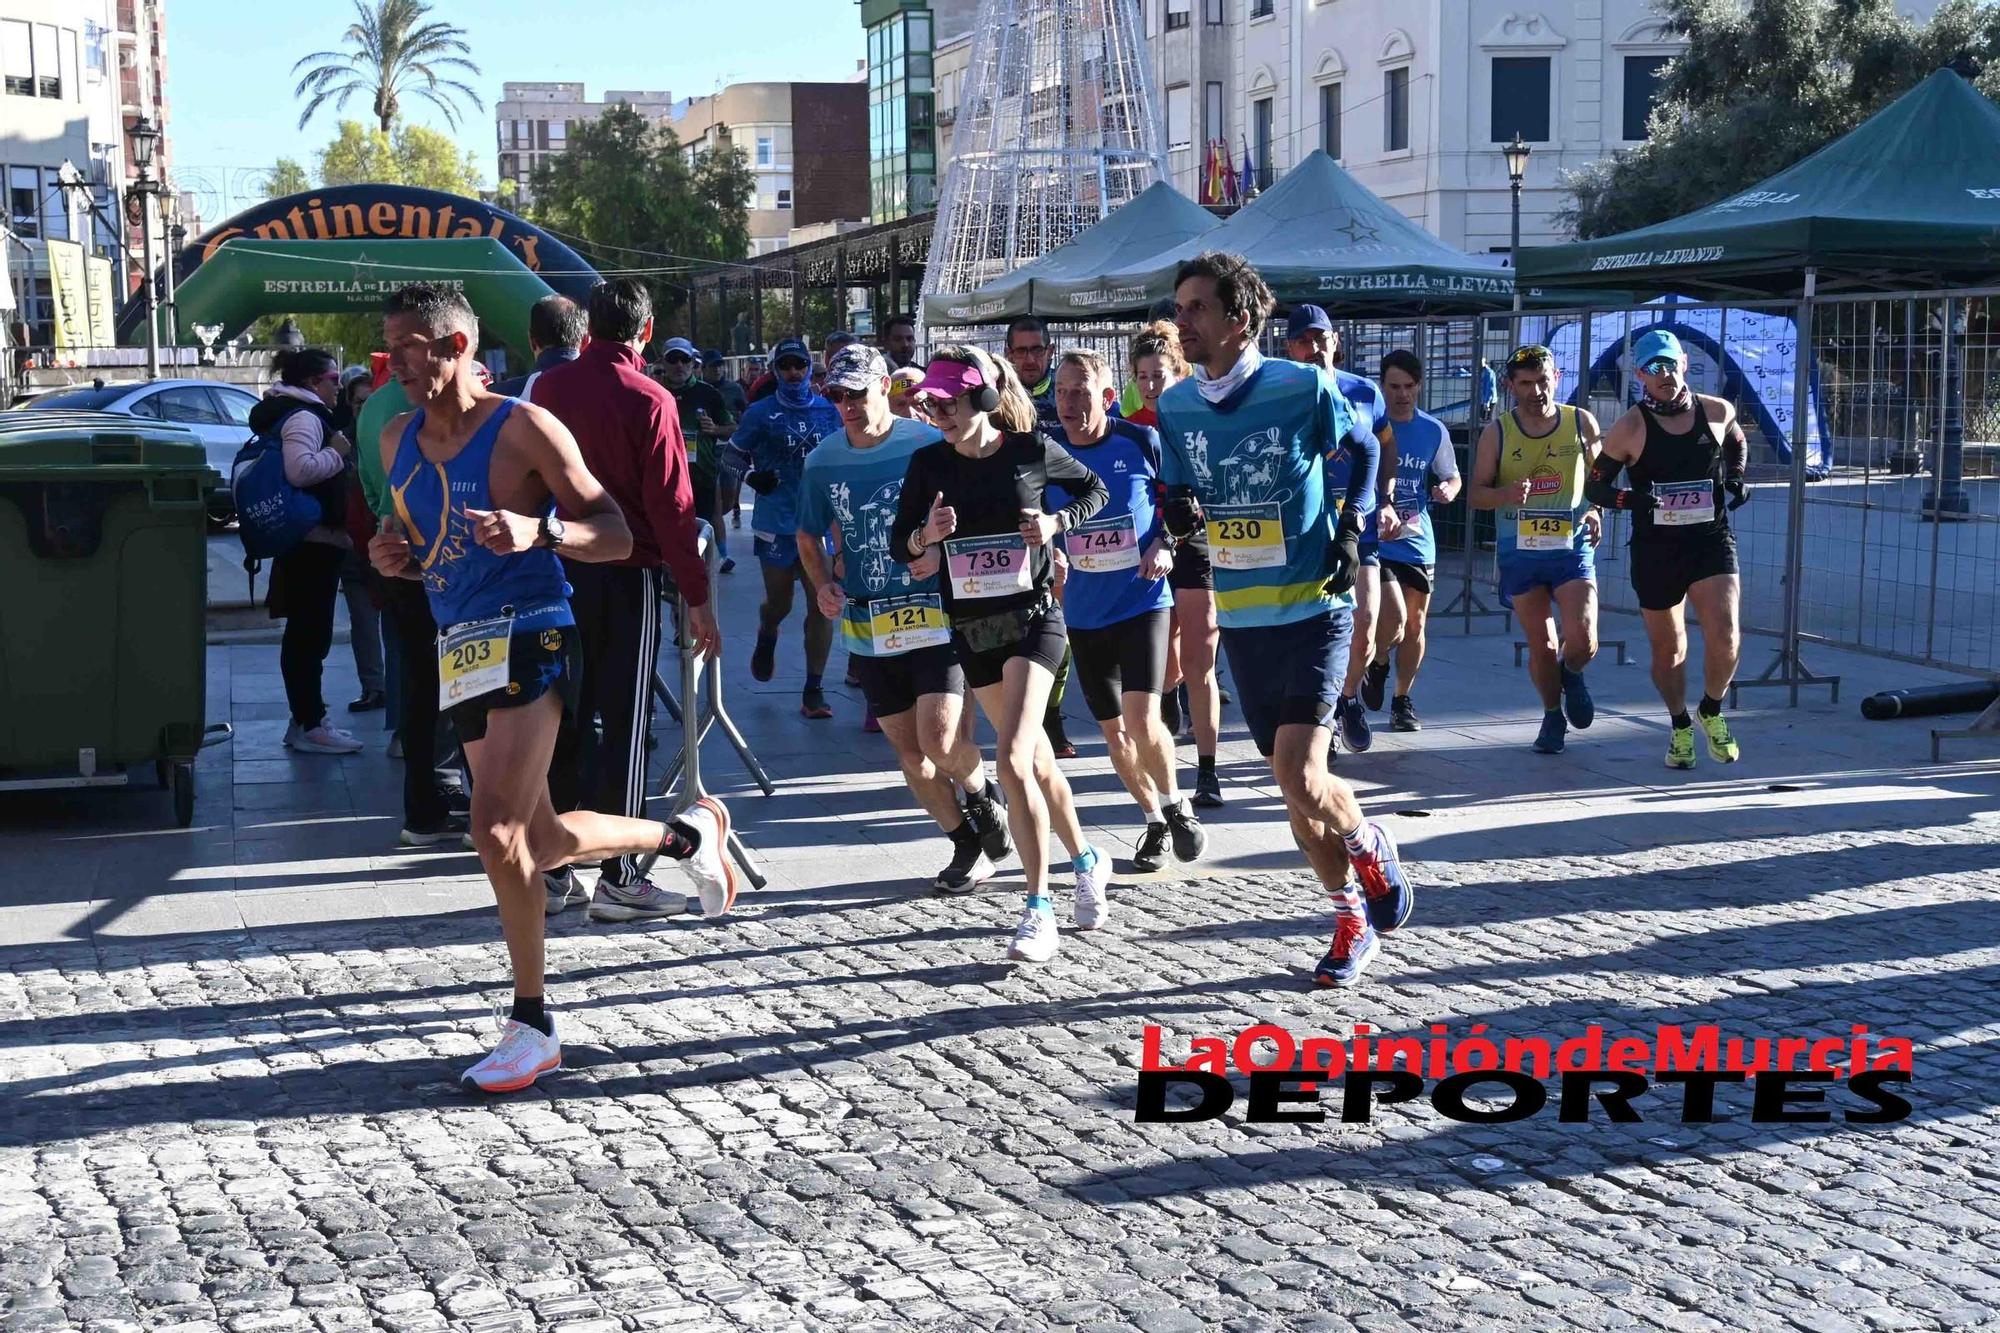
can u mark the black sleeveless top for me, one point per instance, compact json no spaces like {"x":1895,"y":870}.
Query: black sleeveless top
{"x":1670,"y":465}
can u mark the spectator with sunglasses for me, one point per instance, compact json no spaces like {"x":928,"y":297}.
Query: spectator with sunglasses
{"x":769,"y":449}
{"x":706,"y":422}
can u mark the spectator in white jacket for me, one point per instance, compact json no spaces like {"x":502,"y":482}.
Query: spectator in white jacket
{"x":305,"y":581}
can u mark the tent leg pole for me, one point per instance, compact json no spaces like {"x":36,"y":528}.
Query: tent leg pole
{"x":1786,"y":667}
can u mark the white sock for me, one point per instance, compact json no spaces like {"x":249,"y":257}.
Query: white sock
{"x":1152,"y":813}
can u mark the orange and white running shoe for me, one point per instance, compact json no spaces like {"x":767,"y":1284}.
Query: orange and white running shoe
{"x":710,"y":869}
{"x":523,"y":1055}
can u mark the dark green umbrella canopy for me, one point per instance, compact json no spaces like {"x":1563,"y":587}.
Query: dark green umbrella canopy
{"x":1319,"y":235}
{"x":1058,"y":285}
{"x":1910,"y":197}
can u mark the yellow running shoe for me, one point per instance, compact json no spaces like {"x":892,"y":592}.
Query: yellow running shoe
{"x":1722,"y":747}
{"x":1680,"y":749}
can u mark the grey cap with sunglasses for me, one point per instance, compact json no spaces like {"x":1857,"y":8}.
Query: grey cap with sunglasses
{"x":856,"y":367}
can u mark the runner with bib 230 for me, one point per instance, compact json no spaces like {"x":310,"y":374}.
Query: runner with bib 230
{"x":1246,"y":442}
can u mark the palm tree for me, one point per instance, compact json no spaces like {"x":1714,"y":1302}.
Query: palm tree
{"x":390,"y":51}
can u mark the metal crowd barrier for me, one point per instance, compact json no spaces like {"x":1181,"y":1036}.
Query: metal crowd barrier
{"x":701,"y":685}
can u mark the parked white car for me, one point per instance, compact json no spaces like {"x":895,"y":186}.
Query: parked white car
{"x":219,"y":414}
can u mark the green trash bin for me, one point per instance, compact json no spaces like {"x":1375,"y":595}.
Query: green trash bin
{"x":103,"y":647}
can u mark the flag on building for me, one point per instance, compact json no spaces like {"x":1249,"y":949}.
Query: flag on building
{"x":1232,"y":190}
{"x":1250,"y":181}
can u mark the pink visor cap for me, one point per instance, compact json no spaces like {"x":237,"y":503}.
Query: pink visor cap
{"x":948,"y":379}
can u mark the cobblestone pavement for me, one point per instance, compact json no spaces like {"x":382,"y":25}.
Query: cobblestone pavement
{"x":840,"y":1109}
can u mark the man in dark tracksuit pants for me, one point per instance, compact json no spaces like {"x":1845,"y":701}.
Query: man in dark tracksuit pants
{"x":627,"y":428}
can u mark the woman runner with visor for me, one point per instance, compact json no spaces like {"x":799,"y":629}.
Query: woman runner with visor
{"x":979,"y":493}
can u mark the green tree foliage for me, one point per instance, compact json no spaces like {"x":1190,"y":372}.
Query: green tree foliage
{"x":625,"y":191}
{"x":413,"y":155}
{"x":359,"y":155}
{"x":1763,"y":85}
{"x":391,"y":50}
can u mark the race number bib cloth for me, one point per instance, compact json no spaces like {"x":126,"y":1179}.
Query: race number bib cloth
{"x":1543,"y":529}
{"x":987,"y":566}
{"x":1250,"y":536}
{"x":472,"y":659}
{"x":900,"y":624}
{"x":1102,"y":546}
{"x":1684,"y":504}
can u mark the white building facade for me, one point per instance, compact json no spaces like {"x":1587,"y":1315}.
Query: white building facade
{"x":74,"y":76}
{"x":1415,"y":97}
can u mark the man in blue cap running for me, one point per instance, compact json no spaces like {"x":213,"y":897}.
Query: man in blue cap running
{"x":1683,"y":452}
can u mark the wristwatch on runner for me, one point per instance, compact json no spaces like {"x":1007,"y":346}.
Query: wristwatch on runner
{"x":551,"y":533}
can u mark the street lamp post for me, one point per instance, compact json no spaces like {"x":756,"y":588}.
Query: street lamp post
{"x":145,"y":142}
{"x":1517,"y":168}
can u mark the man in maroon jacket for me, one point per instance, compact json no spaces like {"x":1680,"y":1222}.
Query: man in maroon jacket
{"x":628,"y":428}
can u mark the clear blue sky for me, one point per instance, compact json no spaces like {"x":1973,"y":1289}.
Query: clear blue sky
{"x":230,"y":81}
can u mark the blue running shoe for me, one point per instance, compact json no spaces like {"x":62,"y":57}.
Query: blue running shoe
{"x":1354,"y":731}
{"x":1550,"y":741}
{"x":1391,"y":897}
{"x":1577,"y":704}
{"x":1354,"y":946}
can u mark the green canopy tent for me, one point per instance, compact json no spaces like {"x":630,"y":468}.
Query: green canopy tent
{"x":244,"y":280}
{"x":1908,"y":198}
{"x":1319,"y":235}
{"x":1064,"y":283}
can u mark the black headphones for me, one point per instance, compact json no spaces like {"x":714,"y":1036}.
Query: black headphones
{"x":988,"y":397}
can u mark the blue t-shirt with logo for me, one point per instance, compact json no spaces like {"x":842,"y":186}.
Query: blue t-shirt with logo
{"x":1259,"y":453}
{"x":1423,"y":457}
{"x":857,"y":489}
{"x":1127,"y":460}
{"x":775,"y":438}
{"x":1371,"y":409}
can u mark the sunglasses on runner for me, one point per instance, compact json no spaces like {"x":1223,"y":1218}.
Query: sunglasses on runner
{"x":839,"y":396}
{"x":1534,"y":354}
{"x":678,"y":359}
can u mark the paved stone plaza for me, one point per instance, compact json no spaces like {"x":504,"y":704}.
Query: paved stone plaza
{"x":230,"y":1051}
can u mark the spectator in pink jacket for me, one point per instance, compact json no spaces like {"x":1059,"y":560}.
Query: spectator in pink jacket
{"x":305,"y":581}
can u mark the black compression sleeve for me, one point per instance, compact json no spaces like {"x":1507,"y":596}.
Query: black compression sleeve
{"x":1600,"y":486}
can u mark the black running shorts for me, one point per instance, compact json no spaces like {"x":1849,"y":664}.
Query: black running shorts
{"x":1663,"y":571}
{"x":1129,"y":656}
{"x":538,"y":661}
{"x":893,"y":685}
{"x":1417,"y":578}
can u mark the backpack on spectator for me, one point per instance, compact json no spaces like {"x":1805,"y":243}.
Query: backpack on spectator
{"x":272,"y":515}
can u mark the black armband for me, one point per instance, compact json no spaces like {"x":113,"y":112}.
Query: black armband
{"x":1735,"y":451}
{"x":1181,"y":512}
{"x":1600,"y":486}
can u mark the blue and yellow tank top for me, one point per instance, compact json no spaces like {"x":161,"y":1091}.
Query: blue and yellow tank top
{"x":464,"y":580}
{"x":1551,"y":522}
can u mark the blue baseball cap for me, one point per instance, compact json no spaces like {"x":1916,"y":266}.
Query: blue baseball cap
{"x":791,"y":349}
{"x":1304,"y":318}
{"x":680,"y":346}
{"x":712,"y":357}
{"x":1658,"y":345}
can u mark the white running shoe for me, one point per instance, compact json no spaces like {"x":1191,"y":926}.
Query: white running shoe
{"x":522,"y":1056}
{"x":1035,"y":939}
{"x":710,"y":868}
{"x":1092,"y":903}
{"x":324,"y":739}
